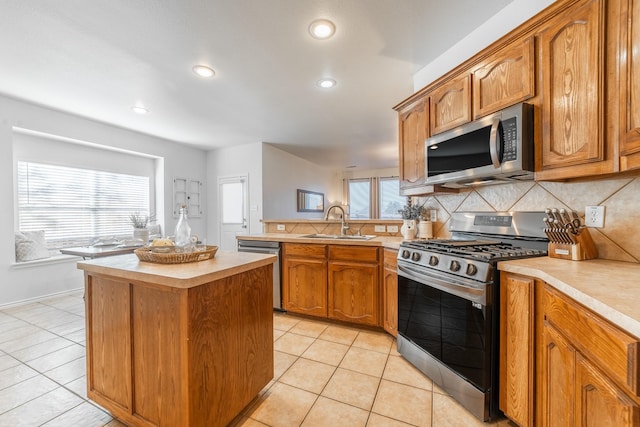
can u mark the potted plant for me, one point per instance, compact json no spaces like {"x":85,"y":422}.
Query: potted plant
{"x":139,"y":223}
{"x":410,"y":217}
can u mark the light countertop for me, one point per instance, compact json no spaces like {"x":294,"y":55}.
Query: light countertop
{"x":609,"y":288}
{"x":389,"y":242}
{"x":185,"y":275}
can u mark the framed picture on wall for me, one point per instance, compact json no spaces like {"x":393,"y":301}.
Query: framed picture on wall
{"x":310,"y":201}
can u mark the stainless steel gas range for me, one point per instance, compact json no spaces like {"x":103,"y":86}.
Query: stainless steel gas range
{"x":448,"y":308}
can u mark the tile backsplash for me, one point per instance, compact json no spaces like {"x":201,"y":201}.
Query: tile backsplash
{"x":619,"y":239}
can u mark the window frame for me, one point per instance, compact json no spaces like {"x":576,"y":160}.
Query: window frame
{"x":38,"y":147}
{"x":374,"y":195}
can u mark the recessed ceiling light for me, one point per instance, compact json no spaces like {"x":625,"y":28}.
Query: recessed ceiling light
{"x":203,"y":71}
{"x":138,"y":109}
{"x":326,"y":83}
{"x":322,"y":29}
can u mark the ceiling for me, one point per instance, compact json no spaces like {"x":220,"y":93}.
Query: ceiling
{"x":98,"y":58}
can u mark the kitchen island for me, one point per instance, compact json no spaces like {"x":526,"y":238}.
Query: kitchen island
{"x":178,"y":344}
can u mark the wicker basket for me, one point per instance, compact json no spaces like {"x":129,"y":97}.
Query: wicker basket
{"x":148,"y":255}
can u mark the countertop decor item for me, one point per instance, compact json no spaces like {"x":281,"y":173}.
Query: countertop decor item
{"x":203,"y":253}
{"x":140,"y":225}
{"x":410,"y":216}
{"x":183,"y":230}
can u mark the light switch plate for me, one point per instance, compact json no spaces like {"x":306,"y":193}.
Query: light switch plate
{"x":380,"y":228}
{"x":392,"y":228}
{"x":280,"y":227}
{"x":434,"y":215}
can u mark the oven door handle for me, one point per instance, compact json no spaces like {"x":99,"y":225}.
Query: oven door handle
{"x":467,"y":290}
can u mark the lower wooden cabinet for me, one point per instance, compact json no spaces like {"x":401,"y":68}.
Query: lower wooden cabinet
{"x":339,"y":282}
{"x":304,"y":279}
{"x":517,"y":331}
{"x":561,"y":364}
{"x":354,"y":273}
{"x":390,"y":292}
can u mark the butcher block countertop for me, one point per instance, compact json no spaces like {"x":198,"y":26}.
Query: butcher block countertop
{"x":609,"y":288}
{"x":389,"y":242}
{"x":185,"y":275}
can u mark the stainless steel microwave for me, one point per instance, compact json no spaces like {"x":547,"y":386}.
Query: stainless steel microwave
{"x":494,"y":149}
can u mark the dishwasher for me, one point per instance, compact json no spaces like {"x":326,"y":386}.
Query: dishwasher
{"x":271,"y":248}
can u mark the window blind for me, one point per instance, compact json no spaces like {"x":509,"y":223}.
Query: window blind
{"x":76,"y":206}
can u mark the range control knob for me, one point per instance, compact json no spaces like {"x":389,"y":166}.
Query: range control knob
{"x":405,"y":254}
{"x":471,"y":269}
{"x":433,"y":260}
{"x":415,"y":256}
{"x":455,"y":266}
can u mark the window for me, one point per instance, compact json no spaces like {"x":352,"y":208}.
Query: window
{"x":359,"y":198}
{"x":370,"y":198}
{"x":390,"y":199}
{"x":75,"y":206}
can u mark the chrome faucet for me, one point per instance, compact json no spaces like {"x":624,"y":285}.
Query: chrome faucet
{"x":344,"y":226}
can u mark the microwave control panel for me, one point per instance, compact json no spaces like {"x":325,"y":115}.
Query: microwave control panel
{"x":510,"y":133}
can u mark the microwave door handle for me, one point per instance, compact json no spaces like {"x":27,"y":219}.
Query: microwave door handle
{"x":494,"y":143}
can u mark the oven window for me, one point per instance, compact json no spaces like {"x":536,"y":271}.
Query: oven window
{"x":448,"y":327}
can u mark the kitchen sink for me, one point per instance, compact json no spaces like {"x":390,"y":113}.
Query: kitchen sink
{"x":337,"y":237}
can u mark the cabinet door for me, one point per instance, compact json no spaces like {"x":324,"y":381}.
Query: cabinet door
{"x":304,"y":287}
{"x":517,"y":348}
{"x":451,"y":104}
{"x":630,"y":84}
{"x":556,"y":379}
{"x":109,"y":342}
{"x":390,"y":292}
{"x":572,"y":72}
{"x":413,"y":123}
{"x":599,"y":402}
{"x":504,"y":79}
{"x":353,"y":292}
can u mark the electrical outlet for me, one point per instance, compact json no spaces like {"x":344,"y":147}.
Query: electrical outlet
{"x":434,"y":215}
{"x":380,"y":228}
{"x":594,"y":216}
{"x":280,"y":227}
{"x":392,"y":228}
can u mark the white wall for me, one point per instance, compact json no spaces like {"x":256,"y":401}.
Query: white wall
{"x":283,"y":174}
{"x":500,"y":24}
{"x":233,"y":161}
{"x":24,"y":283}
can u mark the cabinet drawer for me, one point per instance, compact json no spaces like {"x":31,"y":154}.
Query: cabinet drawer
{"x":306,"y":250}
{"x":353,"y":253}
{"x":611,"y":349}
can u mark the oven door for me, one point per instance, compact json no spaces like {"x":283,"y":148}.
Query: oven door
{"x":450,"y":318}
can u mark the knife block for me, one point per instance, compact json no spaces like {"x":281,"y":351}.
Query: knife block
{"x":584,"y":248}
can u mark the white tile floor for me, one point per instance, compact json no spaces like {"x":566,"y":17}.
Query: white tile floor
{"x":325,"y":375}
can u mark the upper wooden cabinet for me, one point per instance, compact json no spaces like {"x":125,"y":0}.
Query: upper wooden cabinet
{"x":451,"y":104}
{"x":629,"y":58}
{"x":413,"y":131}
{"x":505,"y":78}
{"x":572,"y":70}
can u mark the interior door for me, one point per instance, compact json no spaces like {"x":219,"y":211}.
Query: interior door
{"x":233,"y":210}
